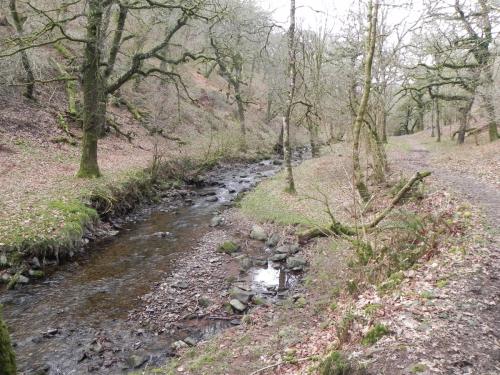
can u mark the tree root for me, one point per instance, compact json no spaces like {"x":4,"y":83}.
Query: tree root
{"x":337,"y":228}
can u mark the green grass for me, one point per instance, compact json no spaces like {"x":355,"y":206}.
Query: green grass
{"x":375,"y":334}
{"x":53,"y":224}
{"x":334,"y":364}
{"x":263,"y":204}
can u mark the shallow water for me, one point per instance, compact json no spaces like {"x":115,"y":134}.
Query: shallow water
{"x":85,"y":304}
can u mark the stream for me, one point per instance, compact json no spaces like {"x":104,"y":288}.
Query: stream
{"x":83,"y":307}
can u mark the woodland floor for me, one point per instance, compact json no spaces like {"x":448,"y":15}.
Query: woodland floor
{"x":443,"y":316}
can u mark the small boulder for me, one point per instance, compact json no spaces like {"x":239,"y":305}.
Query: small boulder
{"x":241,"y":295}
{"x":178,"y":345}
{"x":212,"y":199}
{"x":237,"y":305}
{"x":282,"y":249}
{"x":191,"y":341}
{"x":228,"y":247}
{"x":273,"y":240}
{"x":296,"y":263}
{"x":216,"y":221}
{"x":245,"y":263}
{"x":37,"y":274}
{"x":278,"y":257}
{"x":136,"y":361}
{"x":23,"y":279}
{"x":258,"y":233}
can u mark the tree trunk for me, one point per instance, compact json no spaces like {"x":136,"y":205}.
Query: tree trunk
{"x":384,"y":126}
{"x":287,"y":151}
{"x":7,"y":356}
{"x":30,"y":77}
{"x":241,"y":117}
{"x":93,"y":93}
{"x":313,"y":138}
{"x":489,"y":107}
{"x":438,"y":121}
{"x":358,"y":123}
{"x":464,"y":120}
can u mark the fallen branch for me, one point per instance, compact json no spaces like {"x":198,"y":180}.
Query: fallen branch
{"x":337,"y":228}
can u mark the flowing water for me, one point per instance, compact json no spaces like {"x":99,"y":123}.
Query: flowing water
{"x":84,"y":305}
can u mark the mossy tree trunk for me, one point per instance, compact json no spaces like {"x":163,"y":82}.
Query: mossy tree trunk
{"x":30,"y":77}
{"x":93,"y":92}
{"x":7,"y":356}
{"x":363,"y":105}
{"x":292,"y":73}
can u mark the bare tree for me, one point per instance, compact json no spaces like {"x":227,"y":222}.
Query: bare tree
{"x":292,"y":75}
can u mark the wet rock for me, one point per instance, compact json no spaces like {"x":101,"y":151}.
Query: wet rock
{"x":296,"y":263}
{"x":136,"y":361}
{"x":178,"y":345}
{"x":277,"y":162}
{"x":216,"y":221}
{"x":260,"y":262}
{"x":235,"y":322}
{"x":232,"y":191}
{"x":212,"y":199}
{"x":37,"y":274}
{"x":278,"y":257}
{"x":241,"y":295}
{"x":228,"y":247}
{"x":273,"y":240}
{"x":258,"y":233}
{"x":282,"y":249}
{"x":23,"y":280}
{"x":237,"y":305}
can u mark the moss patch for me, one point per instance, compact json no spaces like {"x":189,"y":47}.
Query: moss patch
{"x":228,"y":247}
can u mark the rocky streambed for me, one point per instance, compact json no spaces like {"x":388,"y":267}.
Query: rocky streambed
{"x":174,"y":274}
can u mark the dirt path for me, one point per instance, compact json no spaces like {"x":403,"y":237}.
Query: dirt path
{"x":457,"y":330}
{"x":478,"y":192}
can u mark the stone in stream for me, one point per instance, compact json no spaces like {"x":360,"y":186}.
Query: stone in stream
{"x":278,"y":257}
{"x":37,"y":274}
{"x":237,"y":305}
{"x":273,"y":240}
{"x":258,"y":233}
{"x":285,"y":249}
{"x":212,"y":199}
{"x":296,"y":263}
{"x":241,"y":295}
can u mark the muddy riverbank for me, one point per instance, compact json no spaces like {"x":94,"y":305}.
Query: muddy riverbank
{"x":92,"y":314}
